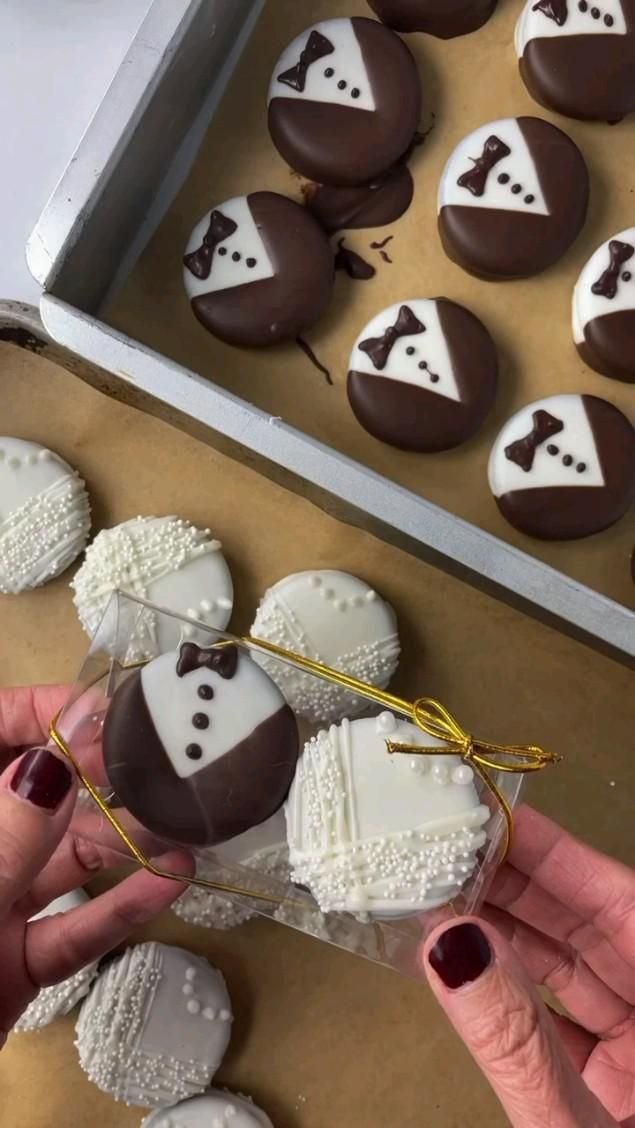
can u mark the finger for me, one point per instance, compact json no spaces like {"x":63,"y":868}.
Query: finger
{"x":74,"y":863}
{"x":557,"y":966}
{"x":610,"y":1072}
{"x":496,"y":1010}
{"x":25,"y":714}
{"x":523,"y":899}
{"x":597,"y":889}
{"x":37,"y":795}
{"x":58,"y":946}
{"x":578,"y":1043}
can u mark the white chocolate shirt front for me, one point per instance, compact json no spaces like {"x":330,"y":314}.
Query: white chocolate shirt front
{"x":587,"y":305}
{"x":226,"y":271}
{"x":534,"y":24}
{"x":239,"y":705}
{"x":548,"y":470}
{"x":429,"y":347}
{"x":519,"y":167}
{"x":346,"y":62}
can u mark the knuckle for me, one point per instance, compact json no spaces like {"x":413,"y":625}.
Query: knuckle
{"x":14,"y":856}
{"x":560,"y":977}
{"x":511,"y":1037}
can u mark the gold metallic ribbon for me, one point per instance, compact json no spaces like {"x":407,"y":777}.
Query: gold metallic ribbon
{"x":426,"y":713}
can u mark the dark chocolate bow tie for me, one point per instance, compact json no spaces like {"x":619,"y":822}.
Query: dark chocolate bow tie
{"x":606,"y":285}
{"x":553,"y":10}
{"x":199,"y":262}
{"x":380,"y":348}
{"x":318,"y":47}
{"x":222,"y":660}
{"x":476,"y":179}
{"x":524,"y":450}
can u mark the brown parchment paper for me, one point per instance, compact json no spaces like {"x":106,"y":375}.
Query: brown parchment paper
{"x":466,"y":82}
{"x":322,"y":1039}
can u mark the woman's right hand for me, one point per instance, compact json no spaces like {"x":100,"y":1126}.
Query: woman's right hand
{"x":561,"y":916}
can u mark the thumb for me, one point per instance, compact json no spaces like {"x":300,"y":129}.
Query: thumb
{"x":37,"y":796}
{"x":496,"y":1010}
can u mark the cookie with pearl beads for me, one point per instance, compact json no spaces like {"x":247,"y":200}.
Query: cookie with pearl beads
{"x":215,"y":1109}
{"x":155,"y":1027}
{"x":377,"y":834}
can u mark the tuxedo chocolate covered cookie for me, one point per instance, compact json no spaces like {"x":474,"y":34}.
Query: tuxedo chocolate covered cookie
{"x":604,"y":309}
{"x":564,"y":467}
{"x":578,"y":56}
{"x":258,"y":269}
{"x":200,"y":745}
{"x":422,"y":375}
{"x":443,"y":18}
{"x":513,"y":197}
{"x":344,"y":101}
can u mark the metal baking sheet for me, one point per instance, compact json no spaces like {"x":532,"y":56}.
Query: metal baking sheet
{"x":106,"y":208}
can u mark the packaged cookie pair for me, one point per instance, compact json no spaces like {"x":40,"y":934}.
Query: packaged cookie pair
{"x":391,"y":818}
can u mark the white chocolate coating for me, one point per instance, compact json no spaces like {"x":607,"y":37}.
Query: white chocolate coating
{"x":227,"y":272}
{"x":44,"y":515}
{"x":575,"y":439}
{"x":429,"y":347}
{"x":346,"y":61}
{"x":215,"y":1109}
{"x":155,"y":1027}
{"x":58,"y":1000}
{"x":519,"y":166}
{"x":380,"y":834}
{"x":239,"y":705}
{"x":263,"y":848}
{"x":587,"y":305}
{"x":534,"y":24}
{"x":333,"y":618}
{"x":166,"y":561}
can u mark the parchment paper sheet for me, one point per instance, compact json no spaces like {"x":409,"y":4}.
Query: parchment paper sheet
{"x":466,"y":82}
{"x":322,"y":1039}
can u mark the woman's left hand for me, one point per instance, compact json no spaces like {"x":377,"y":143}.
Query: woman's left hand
{"x":40,"y":859}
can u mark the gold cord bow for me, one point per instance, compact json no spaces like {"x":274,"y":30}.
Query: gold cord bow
{"x":426,"y":713}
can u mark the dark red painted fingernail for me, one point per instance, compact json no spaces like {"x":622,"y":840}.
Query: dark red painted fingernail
{"x":42,"y":779}
{"x":460,"y":955}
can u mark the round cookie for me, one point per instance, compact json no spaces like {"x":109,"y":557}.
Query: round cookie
{"x":166,"y":561}
{"x":443,"y":18}
{"x":44,"y":515}
{"x":60,"y":999}
{"x":604,"y":308}
{"x":215,"y":1109}
{"x":380,"y":834}
{"x":264,"y":848}
{"x":258,"y":270}
{"x":423,"y":375}
{"x":564,"y":467}
{"x":333,"y":618}
{"x":344,"y":101}
{"x":155,"y":1027}
{"x":200,"y":745}
{"x":512,"y":199}
{"x":577,"y":57}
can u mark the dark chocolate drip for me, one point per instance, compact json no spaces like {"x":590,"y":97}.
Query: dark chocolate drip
{"x":355,"y":266}
{"x":523,"y":452}
{"x":318,"y":47}
{"x":554,"y":10}
{"x":199,"y":262}
{"x":494,"y":150}
{"x":308,"y":352}
{"x":384,"y":243}
{"x":606,"y":285}
{"x":222,"y":660}
{"x":380,"y":348}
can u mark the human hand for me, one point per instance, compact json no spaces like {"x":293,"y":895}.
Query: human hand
{"x":40,"y":859}
{"x":562,"y":916}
